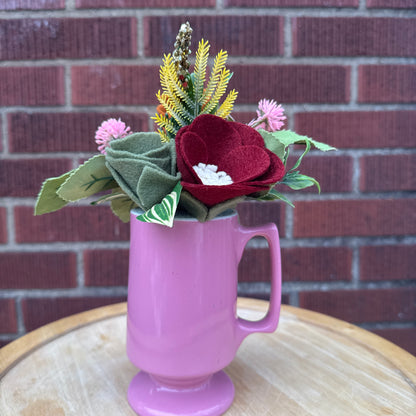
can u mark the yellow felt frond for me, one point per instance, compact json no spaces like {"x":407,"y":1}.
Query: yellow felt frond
{"x":173,"y":89}
{"x":219,"y":65}
{"x":219,"y":92}
{"x":163,"y":136}
{"x":164,"y":122}
{"x":227,"y":106}
{"x":200,"y":71}
{"x":171,"y":109}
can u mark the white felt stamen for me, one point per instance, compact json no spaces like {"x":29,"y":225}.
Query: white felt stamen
{"x":209,"y":175}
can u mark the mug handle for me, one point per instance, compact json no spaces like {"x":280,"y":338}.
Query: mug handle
{"x":270,"y":321}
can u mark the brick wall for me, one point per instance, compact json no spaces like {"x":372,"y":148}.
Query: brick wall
{"x":345,"y":71}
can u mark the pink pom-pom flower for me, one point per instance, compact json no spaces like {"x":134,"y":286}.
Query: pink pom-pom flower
{"x":109,"y":130}
{"x":269,"y":116}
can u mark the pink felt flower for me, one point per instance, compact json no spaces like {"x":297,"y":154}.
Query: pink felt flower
{"x":109,"y":130}
{"x":269,"y":116}
{"x":236,"y":150}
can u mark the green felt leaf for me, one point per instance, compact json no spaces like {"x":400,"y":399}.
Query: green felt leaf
{"x":88,"y":179}
{"x":272,"y":195}
{"x":143,"y":167}
{"x":48,"y":200}
{"x":164,"y":212}
{"x":121,"y":206}
{"x":296,"y":165}
{"x":201,"y":212}
{"x":288,"y":137}
{"x":272,"y":144}
{"x":297,"y":181}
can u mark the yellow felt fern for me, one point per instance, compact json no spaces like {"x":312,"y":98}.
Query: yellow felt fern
{"x":219,"y":92}
{"x":172,"y":89}
{"x":200,"y":71}
{"x":219,"y":65}
{"x":227,"y":106}
{"x":171,"y":108}
{"x":164,"y":122}
{"x":184,"y":98}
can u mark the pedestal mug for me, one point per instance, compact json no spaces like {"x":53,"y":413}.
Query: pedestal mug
{"x":182,"y":323}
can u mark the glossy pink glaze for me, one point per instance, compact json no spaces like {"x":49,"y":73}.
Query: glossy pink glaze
{"x":182,"y":324}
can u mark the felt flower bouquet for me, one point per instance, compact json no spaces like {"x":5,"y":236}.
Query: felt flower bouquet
{"x":200,"y":160}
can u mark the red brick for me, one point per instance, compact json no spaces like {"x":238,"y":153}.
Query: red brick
{"x":334,"y":173}
{"x":396,"y":262}
{"x":32,"y":86}
{"x":291,"y":3}
{"x":389,"y":4}
{"x":142,"y":4}
{"x":403,"y":337}
{"x":8,"y":317}
{"x":353,"y":36}
{"x":316,"y":264}
{"x":63,"y":132}
{"x":82,"y":223}
{"x":32,"y":4}
{"x":387,"y":83}
{"x":3,"y":226}
{"x":360,"y":306}
{"x":360,"y":129}
{"x":374,"y":217}
{"x":106,"y":267}
{"x":101,"y":85}
{"x":68,"y":38}
{"x":40,"y":311}
{"x":24,"y":177}
{"x":291,"y":83}
{"x":238,"y":35}
{"x":253,"y":214}
{"x":38,"y":270}
{"x":263,"y":296}
{"x":388,"y":173}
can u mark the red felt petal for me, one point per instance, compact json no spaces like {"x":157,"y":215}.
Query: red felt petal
{"x":249,"y":136}
{"x":190,"y":150}
{"x":218,"y":134}
{"x":245,"y":163}
{"x":275,"y":172}
{"x":213,"y":195}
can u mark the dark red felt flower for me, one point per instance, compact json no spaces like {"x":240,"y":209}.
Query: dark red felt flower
{"x":235,"y":148}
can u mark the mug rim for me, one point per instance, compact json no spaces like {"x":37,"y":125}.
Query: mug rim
{"x":185,"y":216}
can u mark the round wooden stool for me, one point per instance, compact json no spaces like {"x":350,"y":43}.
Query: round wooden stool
{"x":312,"y":365}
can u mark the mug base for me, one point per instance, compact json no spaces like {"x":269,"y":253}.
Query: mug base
{"x":149,"y":398}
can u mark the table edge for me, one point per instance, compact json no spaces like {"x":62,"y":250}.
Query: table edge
{"x":15,"y":351}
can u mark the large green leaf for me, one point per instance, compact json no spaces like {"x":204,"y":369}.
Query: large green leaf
{"x":275,"y":146}
{"x":48,"y":200}
{"x":164,"y":212}
{"x":288,"y":137}
{"x":88,"y":179}
{"x":272,"y":195}
{"x":121,"y":206}
{"x":297,"y":181}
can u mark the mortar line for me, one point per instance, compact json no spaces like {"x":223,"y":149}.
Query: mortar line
{"x":21,"y":327}
{"x":4,"y":134}
{"x":80,"y":269}
{"x":71,"y":12}
{"x":288,"y":41}
{"x":140,"y":36}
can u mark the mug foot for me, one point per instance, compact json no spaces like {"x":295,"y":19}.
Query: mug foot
{"x":147,"y":397}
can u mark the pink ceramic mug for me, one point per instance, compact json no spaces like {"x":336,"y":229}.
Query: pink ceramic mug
{"x":182,"y":324}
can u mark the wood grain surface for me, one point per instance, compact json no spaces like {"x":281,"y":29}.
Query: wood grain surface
{"x":312,"y":365}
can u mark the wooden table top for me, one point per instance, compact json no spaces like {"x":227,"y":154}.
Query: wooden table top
{"x":312,"y":365}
